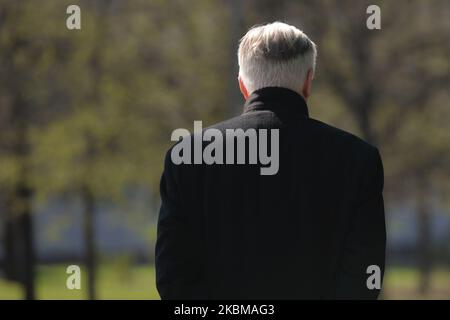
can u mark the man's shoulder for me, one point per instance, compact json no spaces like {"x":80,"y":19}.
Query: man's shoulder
{"x":361,"y":155}
{"x":341,"y":137}
{"x":317,"y":128}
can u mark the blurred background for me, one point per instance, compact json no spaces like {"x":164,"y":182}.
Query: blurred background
{"x":86,"y":116}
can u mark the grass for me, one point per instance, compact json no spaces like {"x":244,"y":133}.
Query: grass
{"x":113,"y":283}
{"x":402,"y":283}
{"x":138,"y":282}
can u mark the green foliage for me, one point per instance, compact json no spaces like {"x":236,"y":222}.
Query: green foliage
{"x":105,"y":98}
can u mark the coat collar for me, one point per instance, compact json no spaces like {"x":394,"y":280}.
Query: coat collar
{"x":276,"y":99}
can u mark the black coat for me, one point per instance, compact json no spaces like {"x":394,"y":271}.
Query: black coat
{"x":309,"y":231}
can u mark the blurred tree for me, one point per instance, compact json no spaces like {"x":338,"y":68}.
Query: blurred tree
{"x":27,"y":62}
{"x":236,"y":10}
{"x":136,"y":71}
{"x":17,"y":115}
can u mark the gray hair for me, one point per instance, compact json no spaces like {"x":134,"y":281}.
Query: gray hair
{"x":275,"y":55}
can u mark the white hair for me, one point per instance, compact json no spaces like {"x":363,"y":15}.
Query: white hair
{"x":275,"y":55}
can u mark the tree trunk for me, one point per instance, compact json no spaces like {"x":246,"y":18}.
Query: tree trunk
{"x":19,"y":248}
{"x":19,"y":204}
{"x":89,"y":242}
{"x":26,"y":225}
{"x":236,"y":100}
{"x":365,"y":125}
{"x":424,"y":237}
{"x":9,"y":246}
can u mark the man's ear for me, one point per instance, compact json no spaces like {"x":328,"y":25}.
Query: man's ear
{"x":243,"y":88}
{"x":307,"y":86}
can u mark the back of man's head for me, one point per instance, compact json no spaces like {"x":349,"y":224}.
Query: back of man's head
{"x":275,"y":55}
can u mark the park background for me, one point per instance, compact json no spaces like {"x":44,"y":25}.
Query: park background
{"x":86,"y":116}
